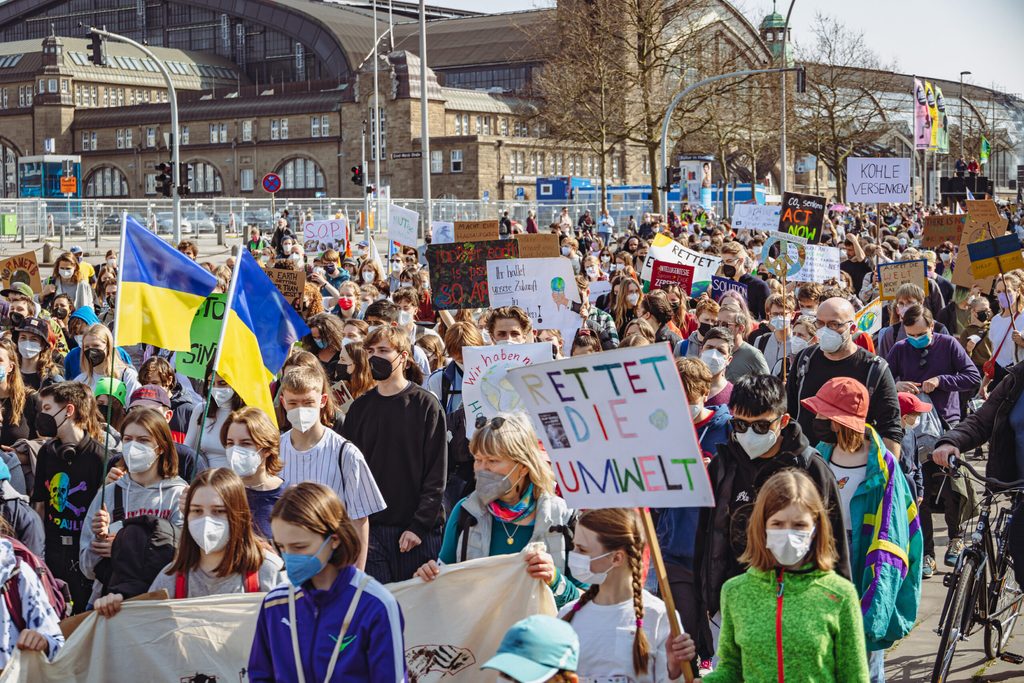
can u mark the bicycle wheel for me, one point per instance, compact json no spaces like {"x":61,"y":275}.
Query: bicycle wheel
{"x":1005,"y":607}
{"x":958,"y":614}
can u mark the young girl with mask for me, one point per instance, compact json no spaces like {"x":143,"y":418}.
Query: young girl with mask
{"x":100,"y":360}
{"x":624,"y":630}
{"x":789,"y":616}
{"x":252,"y":445}
{"x":218,"y":554}
{"x":303,"y":626}
{"x":627,"y":302}
{"x":1007,"y":342}
{"x":207,"y":420}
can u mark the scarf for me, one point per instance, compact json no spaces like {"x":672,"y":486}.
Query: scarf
{"x":521,"y":510}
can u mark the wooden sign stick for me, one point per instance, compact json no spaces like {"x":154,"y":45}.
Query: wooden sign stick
{"x":663,"y":584}
{"x":999,"y":265}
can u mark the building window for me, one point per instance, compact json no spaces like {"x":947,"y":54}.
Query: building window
{"x":106,"y":182}
{"x":479,"y":125}
{"x":120,"y":138}
{"x":458,"y":124}
{"x":645,"y":166}
{"x":247,"y":130}
{"x":314,"y":126}
{"x":95,"y":99}
{"x":456,"y":161}
{"x":64,"y":85}
{"x":559,"y":163}
{"x":223,"y":133}
{"x":3,"y":98}
{"x":184,"y":135}
{"x":436,"y":161}
{"x":615,"y":167}
{"x":487,"y":125}
{"x":128,"y":138}
{"x":42,"y":86}
{"x":213,"y":132}
{"x":204,"y":178}
{"x":504,"y":126}
{"x":301,"y":174}
{"x":247,"y":179}
{"x":284,"y":129}
{"x":131,"y":97}
{"x":85,"y":141}
{"x":572,"y":164}
{"x":465,"y":124}
{"x":151,"y":137}
{"x":534,"y":158}
{"x":151,"y":183}
{"x":275,"y":131}
{"x":325,"y":126}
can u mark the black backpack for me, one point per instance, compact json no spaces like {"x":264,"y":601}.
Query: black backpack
{"x":144,"y":545}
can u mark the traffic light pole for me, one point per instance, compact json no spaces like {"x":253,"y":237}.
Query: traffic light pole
{"x":173,"y":98}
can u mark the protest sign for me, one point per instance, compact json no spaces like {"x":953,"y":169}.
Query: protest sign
{"x":543,"y":287}
{"x":721,"y":285}
{"x":802,"y":215}
{"x":892,"y":275}
{"x":616,"y":428}
{"x":458,"y":271}
{"x":982,"y":216}
{"x":755,"y":217}
{"x":403,"y":225}
{"x":993,"y":256}
{"x":820,"y":264}
{"x":664,"y":273}
{"x":22,"y":268}
{"x":485,"y":389}
{"x":939,"y":229}
{"x":476,"y":231}
{"x":599,"y":289}
{"x":784,"y":255}
{"x":664,"y":248}
{"x":204,"y":333}
{"x":874,"y":181}
{"x":538,"y":245}
{"x":869,"y":318}
{"x":442,"y":232}
{"x":319,"y":236}
{"x":289,"y":282}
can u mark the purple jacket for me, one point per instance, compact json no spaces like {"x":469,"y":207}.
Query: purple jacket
{"x":946,"y":360}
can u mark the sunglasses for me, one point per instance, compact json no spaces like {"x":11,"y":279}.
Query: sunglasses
{"x":496,"y":422}
{"x":740,"y":426}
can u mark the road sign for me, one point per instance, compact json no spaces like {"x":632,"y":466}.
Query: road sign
{"x":520,"y":193}
{"x":272,"y":183}
{"x":487,"y":196}
{"x":68,"y":184}
{"x":406,"y":155}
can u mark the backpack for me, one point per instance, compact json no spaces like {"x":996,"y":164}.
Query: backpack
{"x":57,"y":592}
{"x":466,"y":521}
{"x":144,"y":545}
{"x":802,"y":361}
{"x":251,"y":581}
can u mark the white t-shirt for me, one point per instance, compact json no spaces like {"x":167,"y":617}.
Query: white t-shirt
{"x":353,"y":483}
{"x":849,"y":480}
{"x":1010,"y":353}
{"x":606,"y":641}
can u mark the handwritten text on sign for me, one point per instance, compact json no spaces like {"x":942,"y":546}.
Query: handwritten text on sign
{"x":885,"y":181}
{"x":616,"y":428}
{"x":664,"y":248}
{"x":205,"y":332}
{"x":939,"y":229}
{"x":458,"y":271}
{"x":802,"y":215}
{"x":403,"y":225}
{"x":892,"y":275}
{"x":543,"y":287}
{"x":21,"y":268}
{"x":485,"y":389}
{"x":319,"y":236}
{"x":755,"y":217}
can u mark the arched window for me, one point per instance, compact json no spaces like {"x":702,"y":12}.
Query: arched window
{"x":8,"y":171}
{"x":106,"y":181}
{"x":301,"y":174}
{"x":204,"y":178}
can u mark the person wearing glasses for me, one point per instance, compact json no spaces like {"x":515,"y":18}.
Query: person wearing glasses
{"x":932,"y":365}
{"x":765,"y":440}
{"x":746,"y":359}
{"x":514,"y":504}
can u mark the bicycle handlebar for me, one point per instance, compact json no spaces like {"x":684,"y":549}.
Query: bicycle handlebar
{"x":994,"y":484}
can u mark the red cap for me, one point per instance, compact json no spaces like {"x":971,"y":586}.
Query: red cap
{"x":843,"y":400}
{"x":912,"y":404}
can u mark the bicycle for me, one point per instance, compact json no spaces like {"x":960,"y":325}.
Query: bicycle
{"x":983,"y":589}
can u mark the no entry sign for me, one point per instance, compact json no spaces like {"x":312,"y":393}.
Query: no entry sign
{"x":272,"y":183}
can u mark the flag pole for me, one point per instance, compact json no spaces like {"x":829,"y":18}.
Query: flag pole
{"x":120,"y":272}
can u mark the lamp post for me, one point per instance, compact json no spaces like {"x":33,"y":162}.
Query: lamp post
{"x":962,"y":74}
{"x":782,"y":133}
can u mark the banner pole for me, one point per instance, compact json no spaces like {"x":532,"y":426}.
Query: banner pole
{"x":663,"y":584}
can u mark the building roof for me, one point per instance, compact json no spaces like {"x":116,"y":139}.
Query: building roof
{"x":477,"y":40}
{"x":457,"y":99}
{"x":773,"y":20}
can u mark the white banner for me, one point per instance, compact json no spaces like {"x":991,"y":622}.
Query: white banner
{"x":755,"y":217}
{"x":617,"y":429}
{"x":664,"y":248}
{"x":543,"y":287}
{"x":485,"y":389}
{"x":403,"y":226}
{"x":178,"y":640}
{"x":820,"y":264}
{"x":878,"y":181}
{"x":319,"y":236}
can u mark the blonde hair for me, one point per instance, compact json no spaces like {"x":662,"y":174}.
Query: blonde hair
{"x":850,"y":440}
{"x":263,"y":433}
{"x":114,"y":365}
{"x":515,"y":440}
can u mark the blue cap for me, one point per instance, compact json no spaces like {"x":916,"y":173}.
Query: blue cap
{"x":535,"y":649}
{"x":5,"y":471}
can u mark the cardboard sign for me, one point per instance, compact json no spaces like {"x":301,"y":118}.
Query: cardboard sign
{"x":802,"y":215}
{"x":821,"y":263}
{"x":874,"y":181}
{"x":403,"y":226}
{"x":721,"y":285}
{"x":982,"y":215}
{"x":475,"y":231}
{"x":892,"y":275}
{"x":205,"y":333}
{"x":664,"y":248}
{"x":538,"y":245}
{"x":485,"y":390}
{"x":543,"y":287}
{"x":289,"y":282}
{"x":755,"y":217}
{"x":21,"y":268}
{"x":442,"y":232}
{"x":458,"y":271}
{"x":664,"y":273}
{"x":319,"y":236}
{"x":617,"y":430}
{"x":939,"y":229}
{"x":993,"y":256}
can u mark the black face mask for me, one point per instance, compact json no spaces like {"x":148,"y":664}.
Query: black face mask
{"x":982,"y":316}
{"x":822,"y":430}
{"x":17,"y":319}
{"x":46,"y":424}
{"x":95,"y":357}
{"x":729,"y":271}
{"x":331,"y":268}
{"x":61,"y":313}
{"x":381,"y":368}
{"x":704,"y":328}
{"x":342,"y":372}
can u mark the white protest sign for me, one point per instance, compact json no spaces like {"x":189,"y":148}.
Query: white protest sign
{"x":664,"y":248}
{"x":617,"y":430}
{"x":485,"y":390}
{"x":599,"y":289}
{"x":878,"y":181}
{"x":821,"y":263}
{"x":319,"y":236}
{"x":442,"y":232}
{"x":543,"y":287}
{"x":755,"y":217}
{"x":403,"y":226}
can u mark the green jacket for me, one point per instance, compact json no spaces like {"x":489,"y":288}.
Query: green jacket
{"x":820,"y":638}
{"x":887,"y":547}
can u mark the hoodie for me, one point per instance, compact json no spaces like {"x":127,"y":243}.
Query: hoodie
{"x":36,"y":609}
{"x":73,"y":361}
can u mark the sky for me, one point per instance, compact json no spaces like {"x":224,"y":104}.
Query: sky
{"x":980,"y":36}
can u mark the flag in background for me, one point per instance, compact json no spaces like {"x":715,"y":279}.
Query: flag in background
{"x":985,"y":150}
{"x":933,"y":115}
{"x":943,"y":122}
{"x":920,"y":116}
{"x":258,"y":334}
{"x":159,"y":288}
{"x":869,"y":318}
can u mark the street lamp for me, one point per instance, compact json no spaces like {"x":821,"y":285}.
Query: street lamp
{"x":782,"y":134}
{"x":962,"y":74}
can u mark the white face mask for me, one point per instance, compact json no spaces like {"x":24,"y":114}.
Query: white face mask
{"x":112,"y":262}
{"x":404,"y":318}
{"x":592,"y":271}
{"x":368,"y":276}
{"x":78,"y":339}
{"x":29,"y":349}
{"x":789,"y":546}
{"x":565,"y":251}
{"x":778,"y":323}
{"x":579,"y":566}
{"x":244,"y":461}
{"x":830,"y":341}
{"x":209,"y":533}
{"x":809,"y":311}
{"x":138,"y":456}
{"x":695,"y":410}
{"x":303,"y":418}
{"x":756,"y":444}
{"x":222,"y":395}
{"x":714,"y":359}
{"x":632,"y":298}
{"x":66,"y":272}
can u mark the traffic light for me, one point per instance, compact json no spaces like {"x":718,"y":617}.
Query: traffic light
{"x":185,"y":180}
{"x":164,"y":178}
{"x":675,"y":174}
{"x":801,"y":80}
{"x":357,"y":175}
{"x":97,"y":49}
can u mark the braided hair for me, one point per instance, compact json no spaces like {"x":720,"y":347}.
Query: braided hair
{"x":619,"y":529}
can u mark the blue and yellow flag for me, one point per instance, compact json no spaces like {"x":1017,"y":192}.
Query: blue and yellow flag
{"x":261,"y":329}
{"x":161,"y":290}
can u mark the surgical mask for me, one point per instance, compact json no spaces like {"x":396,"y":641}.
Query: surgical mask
{"x":830,"y":341}
{"x":605,"y":259}
{"x":592,"y":271}
{"x":695,"y":410}
{"x":209,"y":533}
{"x":902,"y":242}
{"x":704,"y":244}
{"x":66,"y":272}
{"x":579,"y":567}
{"x":789,"y":546}
{"x":302,"y":568}
{"x":491,"y":486}
{"x":756,"y":444}
{"x":346,"y":303}
{"x":112,"y":262}
{"x":46,"y":424}
{"x":296,"y":258}
{"x":368,"y":276}
{"x":920,"y":341}
{"x":321,"y":343}
{"x":901,"y":309}
{"x":778,"y":323}
{"x":303,"y":418}
{"x":29,"y":348}
{"x":565,"y":251}
{"x":405,"y":285}
{"x":945,"y":256}
{"x":78,"y":339}
{"x":381,"y":368}
{"x":1004,"y":300}
{"x":222,"y":395}
{"x":243,"y":461}
{"x":138,"y":456}
{"x":632,"y":299}
{"x":3,"y":374}
{"x":809,"y":311}
{"x":714,"y":359}
{"x":404,"y":318}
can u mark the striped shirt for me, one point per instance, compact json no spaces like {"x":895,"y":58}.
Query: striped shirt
{"x":352,"y":481}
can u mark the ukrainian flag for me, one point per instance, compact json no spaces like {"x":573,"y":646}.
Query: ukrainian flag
{"x":159,"y":293}
{"x":261,"y":329}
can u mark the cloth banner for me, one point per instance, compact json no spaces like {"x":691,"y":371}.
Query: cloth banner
{"x":184,"y":640}
{"x":922,"y":121}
